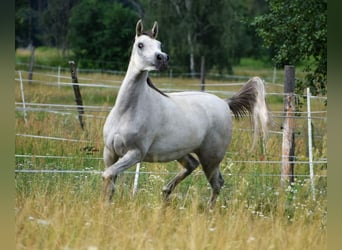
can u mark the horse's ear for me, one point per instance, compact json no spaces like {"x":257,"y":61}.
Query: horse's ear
{"x":139,"y":28}
{"x":155,"y":30}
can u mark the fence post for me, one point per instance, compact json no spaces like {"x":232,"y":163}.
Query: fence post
{"x":310,"y":143}
{"x":136,"y":178}
{"x":30,"y":76}
{"x":23,"y":96}
{"x":59,"y":76}
{"x":274,"y":74}
{"x":288,"y":145}
{"x":202,"y":73}
{"x":77,"y":92}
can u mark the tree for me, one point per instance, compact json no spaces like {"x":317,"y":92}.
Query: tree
{"x":101,"y":33}
{"x":26,"y":23}
{"x":55,"y":23}
{"x":296,"y":31}
{"x":192,"y":29}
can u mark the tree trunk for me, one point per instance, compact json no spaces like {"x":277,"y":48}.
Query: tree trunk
{"x":192,"y":60}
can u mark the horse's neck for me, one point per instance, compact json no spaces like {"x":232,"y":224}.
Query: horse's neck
{"x":132,"y":88}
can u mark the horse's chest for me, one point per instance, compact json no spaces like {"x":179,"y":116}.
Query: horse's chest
{"x":120,"y":122}
{"x":125,"y":132}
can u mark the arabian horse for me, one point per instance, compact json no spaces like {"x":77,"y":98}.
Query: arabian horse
{"x":151,"y":126}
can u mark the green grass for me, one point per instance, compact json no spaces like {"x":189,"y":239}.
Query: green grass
{"x":64,"y":210}
{"x":44,"y":56}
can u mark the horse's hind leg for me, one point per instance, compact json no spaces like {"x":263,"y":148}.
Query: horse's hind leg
{"x":214,"y":177}
{"x":190,"y":164}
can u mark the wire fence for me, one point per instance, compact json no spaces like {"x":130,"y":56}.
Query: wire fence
{"x":58,"y":80}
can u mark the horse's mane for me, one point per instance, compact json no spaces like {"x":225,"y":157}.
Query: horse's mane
{"x":152,"y":86}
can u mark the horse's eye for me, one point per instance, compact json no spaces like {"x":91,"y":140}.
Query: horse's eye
{"x":140,"y":45}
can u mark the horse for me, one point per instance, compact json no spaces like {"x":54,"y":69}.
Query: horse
{"x":193,"y":128}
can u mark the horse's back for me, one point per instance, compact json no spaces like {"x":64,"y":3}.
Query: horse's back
{"x":218,"y":114}
{"x":204,"y":104}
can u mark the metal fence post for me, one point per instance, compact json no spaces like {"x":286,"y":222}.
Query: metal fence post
{"x":310,"y":144}
{"x":23,"y":96}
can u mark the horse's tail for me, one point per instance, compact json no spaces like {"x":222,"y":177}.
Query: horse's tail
{"x":250,"y":100}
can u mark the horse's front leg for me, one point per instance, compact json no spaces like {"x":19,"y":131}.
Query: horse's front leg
{"x":108,"y":188}
{"x":109,"y":158}
{"x":109,"y":175}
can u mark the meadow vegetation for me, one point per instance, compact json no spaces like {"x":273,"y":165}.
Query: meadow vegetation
{"x":64,"y":210}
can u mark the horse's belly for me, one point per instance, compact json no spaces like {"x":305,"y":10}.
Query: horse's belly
{"x":159,"y":156}
{"x":173,"y":147}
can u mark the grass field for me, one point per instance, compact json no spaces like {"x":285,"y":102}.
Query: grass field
{"x":64,"y":210}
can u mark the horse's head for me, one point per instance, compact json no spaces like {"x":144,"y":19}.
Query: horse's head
{"x":146,"y":52}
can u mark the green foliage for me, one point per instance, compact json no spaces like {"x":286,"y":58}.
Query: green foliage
{"x":296,"y":31}
{"x":25,"y":23}
{"x":100,"y":31}
{"x":100,"y":34}
{"x":192,"y":29}
{"x":54,"y":22}
{"x":42,"y":23}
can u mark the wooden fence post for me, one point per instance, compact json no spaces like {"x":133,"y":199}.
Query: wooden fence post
{"x":288,"y":145}
{"x":77,"y":92}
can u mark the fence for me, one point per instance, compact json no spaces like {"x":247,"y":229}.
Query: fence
{"x":58,"y":80}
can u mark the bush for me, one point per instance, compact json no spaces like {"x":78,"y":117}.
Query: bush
{"x":100,"y":34}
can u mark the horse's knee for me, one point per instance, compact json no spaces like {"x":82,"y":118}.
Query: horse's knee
{"x":107,"y":174}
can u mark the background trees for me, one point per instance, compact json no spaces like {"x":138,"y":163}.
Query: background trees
{"x":99,"y":32}
{"x":54,"y":23}
{"x":213,"y":29}
{"x":296,"y":31}
{"x":43,"y":23}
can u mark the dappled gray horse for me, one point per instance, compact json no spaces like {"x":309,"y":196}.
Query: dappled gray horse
{"x":148,"y":125}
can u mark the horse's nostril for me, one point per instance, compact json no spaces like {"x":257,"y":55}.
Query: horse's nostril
{"x":167,"y":58}
{"x":159,"y":57}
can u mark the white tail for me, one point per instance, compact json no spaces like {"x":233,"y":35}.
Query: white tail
{"x":251,"y":100}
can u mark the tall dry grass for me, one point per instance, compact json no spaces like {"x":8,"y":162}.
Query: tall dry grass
{"x":57,"y":214}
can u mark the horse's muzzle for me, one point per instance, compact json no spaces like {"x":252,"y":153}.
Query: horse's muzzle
{"x":162,"y":61}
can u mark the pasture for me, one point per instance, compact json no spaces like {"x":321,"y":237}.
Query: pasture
{"x":63,"y":210}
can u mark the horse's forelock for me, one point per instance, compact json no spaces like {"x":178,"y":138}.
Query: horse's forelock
{"x":148,"y":33}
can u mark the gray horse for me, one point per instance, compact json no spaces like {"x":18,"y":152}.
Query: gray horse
{"x":148,"y":125}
